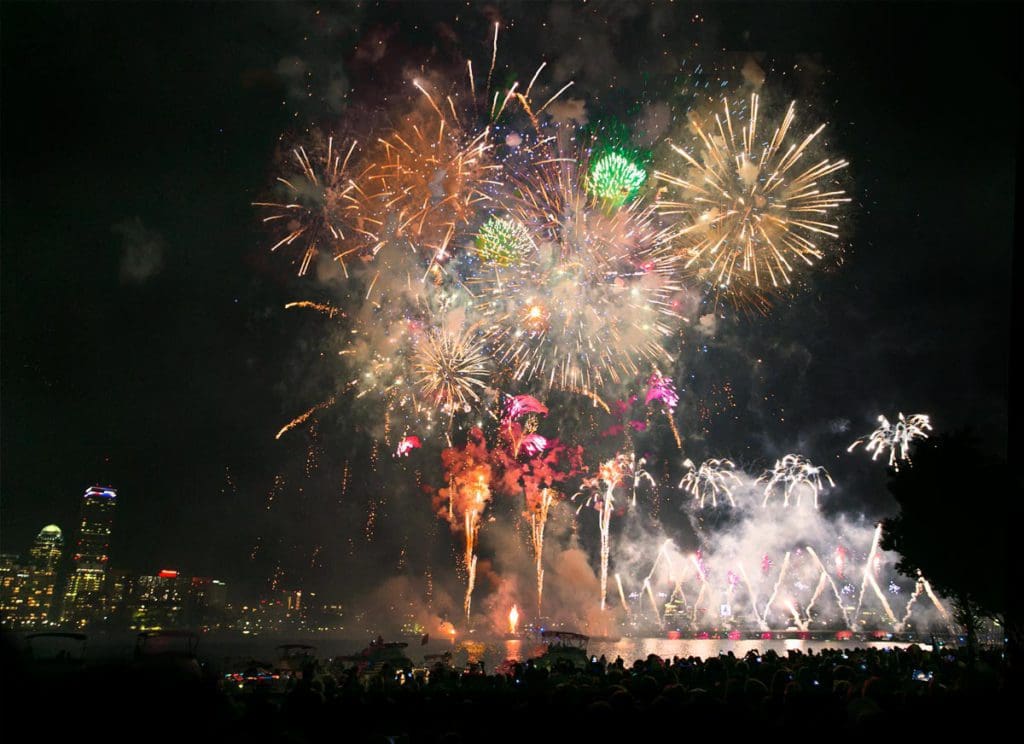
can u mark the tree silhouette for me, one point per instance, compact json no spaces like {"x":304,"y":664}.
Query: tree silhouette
{"x":951,"y":526}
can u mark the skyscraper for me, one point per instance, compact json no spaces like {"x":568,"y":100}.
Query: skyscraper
{"x":44,"y":562}
{"x":85,"y":599}
{"x":27,"y":587}
{"x":44,"y":555}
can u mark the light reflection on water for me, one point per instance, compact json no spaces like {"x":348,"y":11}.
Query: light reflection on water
{"x":631,"y":649}
{"x":227,"y":651}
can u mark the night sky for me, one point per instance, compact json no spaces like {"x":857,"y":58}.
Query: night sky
{"x":144,"y":344}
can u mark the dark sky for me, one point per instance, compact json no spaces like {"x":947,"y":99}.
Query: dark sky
{"x":143,"y":341}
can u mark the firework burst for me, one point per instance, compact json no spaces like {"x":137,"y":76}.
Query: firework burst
{"x":450,"y":370}
{"x":614,"y":177}
{"x":746,"y":214}
{"x":324,"y":203}
{"x":592,"y":299}
{"x":895,"y":438}
{"x":713,"y":478}
{"x":795,"y":475}
{"x":502,"y":241}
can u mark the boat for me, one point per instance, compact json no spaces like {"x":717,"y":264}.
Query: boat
{"x":371,"y":660}
{"x":563,"y":647}
{"x":295,"y":658}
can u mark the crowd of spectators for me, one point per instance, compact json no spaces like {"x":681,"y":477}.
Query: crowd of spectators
{"x":844,"y":693}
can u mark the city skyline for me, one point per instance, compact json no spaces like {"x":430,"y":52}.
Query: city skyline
{"x":146,"y":341}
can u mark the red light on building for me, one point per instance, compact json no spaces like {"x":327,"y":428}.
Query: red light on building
{"x":168,"y":574}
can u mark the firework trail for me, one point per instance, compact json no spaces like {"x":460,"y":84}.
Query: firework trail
{"x":704,"y":586}
{"x":922,"y":586}
{"x":622,"y":594}
{"x":835,"y":590}
{"x":654,"y":602}
{"x":532,"y":465}
{"x":302,"y":418}
{"x":818,"y":589}
{"x":753,"y":598}
{"x":895,"y":438}
{"x":602,"y":487}
{"x":329,"y":310}
{"x":744,"y":214}
{"x":661,"y":388}
{"x":468,"y":471}
{"x":775,"y":589}
{"x":869,"y":579}
{"x":712,"y":478}
{"x":800,"y":624}
{"x":538,"y":519}
{"x":795,"y":474}
{"x":938,"y":605}
{"x":513,"y":619}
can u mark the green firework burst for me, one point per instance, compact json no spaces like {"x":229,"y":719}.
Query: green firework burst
{"x":614,"y":176}
{"x":502,"y":241}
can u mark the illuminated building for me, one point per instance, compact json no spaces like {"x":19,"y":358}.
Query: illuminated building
{"x":11,"y":598}
{"x":207,"y":603}
{"x":159,"y":601}
{"x":44,"y":561}
{"x":27,"y":588}
{"x":44,"y":555}
{"x":85,"y":600}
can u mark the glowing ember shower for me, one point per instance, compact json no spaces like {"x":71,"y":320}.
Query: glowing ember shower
{"x":463,"y":502}
{"x":895,"y":438}
{"x":746,"y":217}
{"x":712,"y":478}
{"x":796,"y":475}
{"x":513,"y":620}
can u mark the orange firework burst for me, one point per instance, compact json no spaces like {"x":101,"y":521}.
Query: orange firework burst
{"x":324,"y":204}
{"x":746,"y":214}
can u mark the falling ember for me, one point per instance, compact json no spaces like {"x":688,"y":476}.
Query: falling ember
{"x":745,"y":220}
{"x":513,"y":620}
